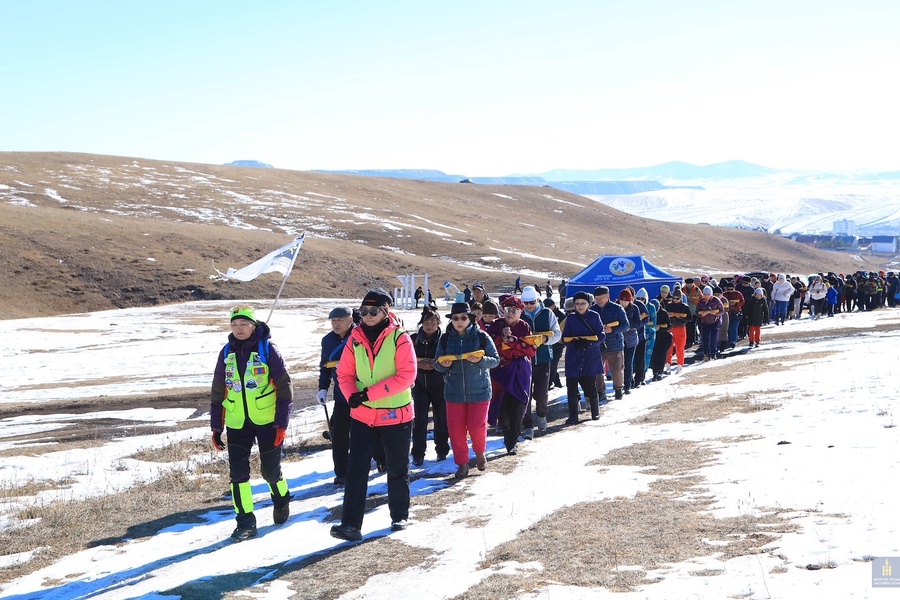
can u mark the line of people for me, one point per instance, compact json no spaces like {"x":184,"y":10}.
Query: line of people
{"x":493,"y":364}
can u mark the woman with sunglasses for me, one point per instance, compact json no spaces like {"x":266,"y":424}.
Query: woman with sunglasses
{"x":513,"y":375}
{"x":466,"y":356}
{"x":376,"y":371}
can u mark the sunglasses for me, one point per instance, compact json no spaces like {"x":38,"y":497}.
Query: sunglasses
{"x":369,"y":312}
{"x":529,"y":301}
{"x":459,"y":318}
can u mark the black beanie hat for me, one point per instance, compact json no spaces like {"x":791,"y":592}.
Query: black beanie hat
{"x":377,"y":297}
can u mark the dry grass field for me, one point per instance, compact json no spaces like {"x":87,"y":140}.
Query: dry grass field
{"x":83,"y":232}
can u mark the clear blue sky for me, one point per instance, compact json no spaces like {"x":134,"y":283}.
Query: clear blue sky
{"x":474,"y":88}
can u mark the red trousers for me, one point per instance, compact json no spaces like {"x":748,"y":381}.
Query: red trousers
{"x":679,"y":338}
{"x":467,"y":418}
{"x":753,"y":333}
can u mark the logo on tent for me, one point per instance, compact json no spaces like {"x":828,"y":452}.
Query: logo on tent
{"x":621,"y":266}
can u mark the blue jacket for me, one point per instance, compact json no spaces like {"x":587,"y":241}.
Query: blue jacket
{"x":583,"y":357}
{"x":613,"y":313}
{"x":332,"y":346}
{"x":633,"y":335}
{"x":465,"y":381}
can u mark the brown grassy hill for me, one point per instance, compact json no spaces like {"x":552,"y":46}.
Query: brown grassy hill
{"x":83,"y":232}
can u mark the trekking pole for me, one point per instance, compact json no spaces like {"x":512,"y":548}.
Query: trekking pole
{"x":327,"y":434}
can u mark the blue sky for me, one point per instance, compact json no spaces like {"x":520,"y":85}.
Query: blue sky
{"x":472,"y":88}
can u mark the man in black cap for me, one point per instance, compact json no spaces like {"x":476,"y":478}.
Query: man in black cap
{"x":376,"y":372}
{"x":615,"y":324}
{"x":478,"y":294}
{"x":341,"y":319}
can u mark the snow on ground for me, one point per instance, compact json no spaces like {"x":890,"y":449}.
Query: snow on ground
{"x":835,"y":409}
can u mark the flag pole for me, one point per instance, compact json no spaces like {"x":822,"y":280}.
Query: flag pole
{"x":284,"y":280}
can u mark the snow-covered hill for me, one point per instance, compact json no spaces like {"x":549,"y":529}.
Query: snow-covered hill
{"x":781,"y":203}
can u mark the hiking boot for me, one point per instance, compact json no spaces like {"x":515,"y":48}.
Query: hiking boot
{"x":346,"y":532}
{"x":462,"y":471}
{"x":442,"y":457}
{"x":399,"y":525}
{"x":542,"y":423}
{"x":678,"y":369}
{"x":512,"y":451}
{"x":528,"y":434}
{"x":480,"y":461}
{"x":418,"y":461}
{"x":618,"y":394}
{"x":626,"y":391}
{"x":243,"y":532}
{"x":280,"y":515}
{"x":572,"y":421}
{"x":595,"y":417}
{"x":340,"y":480}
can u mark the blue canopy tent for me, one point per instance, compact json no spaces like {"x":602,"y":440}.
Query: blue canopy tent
{"x":616,"y":271}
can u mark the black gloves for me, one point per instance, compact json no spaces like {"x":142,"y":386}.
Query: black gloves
{"x":358,"y":398}
{"x":217,"y":440}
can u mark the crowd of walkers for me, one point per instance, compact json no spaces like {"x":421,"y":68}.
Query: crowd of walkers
{"x":488,"y":371}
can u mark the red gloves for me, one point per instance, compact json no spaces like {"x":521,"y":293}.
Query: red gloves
{"x":279,"y":436}
{"x":217,"y":440}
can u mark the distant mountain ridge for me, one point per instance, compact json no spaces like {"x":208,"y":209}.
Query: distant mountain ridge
{"x":732,"y":169}
{"x":248,"y":163}
{"x":582,"y":187}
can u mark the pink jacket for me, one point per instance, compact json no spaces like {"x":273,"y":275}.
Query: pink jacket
{"x":403,"y":379}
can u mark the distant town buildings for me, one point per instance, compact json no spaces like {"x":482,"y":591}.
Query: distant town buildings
{"x":844,"y":227}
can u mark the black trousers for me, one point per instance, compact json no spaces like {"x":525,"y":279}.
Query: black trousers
{"x":540,"y":391}
{"x":422,"y":399}
{"x":394,"y":440}
{"x":512,"y":410}
{"x":340,"y":437}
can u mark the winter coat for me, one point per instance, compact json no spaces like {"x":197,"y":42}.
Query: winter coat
{"x":714,"y":309}
{"x":465,"y":381}
{"x":426,"y":348}
{"x":733,"y":301}
{"x":782,"y":291}
{"x":583,"y":357}
{"x":832,"y":295}
{"x":679,"y":313}
{"x":513,"y":375}
{"x":332,"y":348}
{"x":278,"y":376}
{"x":613,"y":313}
{"x":389,"y":398}
{"x":817,"y":290}
{"x":631,"y":336}
{"x":755,"y":311}
{"x":544,"y":319}
{"x":644,"y":316}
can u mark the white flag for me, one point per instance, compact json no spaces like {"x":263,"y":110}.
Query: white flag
{"x":281,"y":260}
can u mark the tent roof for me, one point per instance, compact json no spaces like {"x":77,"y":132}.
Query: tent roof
{"x":620,"y":270}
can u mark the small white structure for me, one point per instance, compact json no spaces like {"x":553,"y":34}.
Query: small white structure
{"x":404,"y":297}
{"x":884,"y":243}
